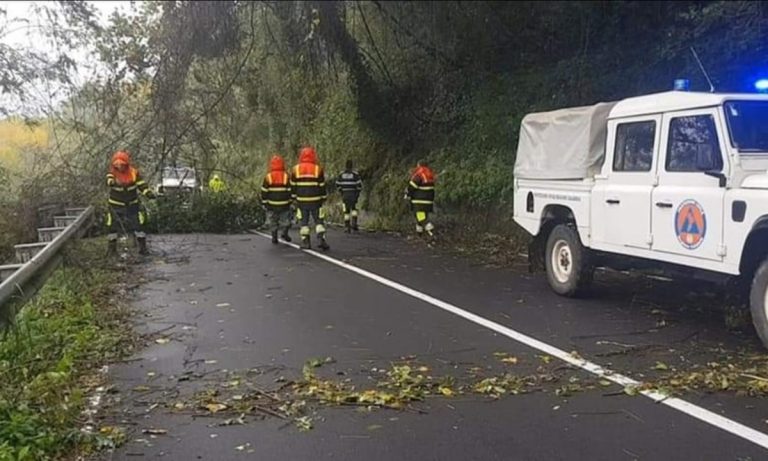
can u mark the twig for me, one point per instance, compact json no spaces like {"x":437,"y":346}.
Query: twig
{"x":758,"y":378}
{"x":269,"y":412}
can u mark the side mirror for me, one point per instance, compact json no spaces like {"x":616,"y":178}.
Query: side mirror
{"x":719,"y":175}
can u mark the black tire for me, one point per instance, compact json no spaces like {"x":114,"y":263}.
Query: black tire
{"x":574,"y":275}
{"x":757,"y":302}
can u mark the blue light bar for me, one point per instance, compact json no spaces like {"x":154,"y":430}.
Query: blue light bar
{"x":762,"y":84}
{"x":682,"y":84}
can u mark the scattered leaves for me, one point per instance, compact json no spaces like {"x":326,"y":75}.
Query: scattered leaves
{"x":215,"y":407}
{"x":303,"y":423}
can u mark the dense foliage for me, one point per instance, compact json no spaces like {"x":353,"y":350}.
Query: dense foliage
{"x":223,"y":85}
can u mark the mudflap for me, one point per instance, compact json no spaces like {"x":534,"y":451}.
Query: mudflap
{"x":536,"y":253}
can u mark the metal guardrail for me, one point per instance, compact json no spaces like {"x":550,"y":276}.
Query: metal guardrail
{"x":26,"y":278}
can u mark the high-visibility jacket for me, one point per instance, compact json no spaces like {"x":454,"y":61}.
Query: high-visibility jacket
{"x":126,"y":193}
{"x":216,"y":184}
{"x":350,"y":185}
{"x":276,"y":191}
{"x":421,"y":189}
{"x":308,"y":185}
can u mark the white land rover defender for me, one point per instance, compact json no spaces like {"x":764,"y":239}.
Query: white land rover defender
{"x":674,"y":180}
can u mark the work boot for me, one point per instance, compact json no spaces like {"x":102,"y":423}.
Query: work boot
{"x":143,"y":246}
{"x":112,"y":249}
{"x":323,"y":244}
{"x":285,"y":236}
{"x":305,"y":243}
{"x":274,"y":236}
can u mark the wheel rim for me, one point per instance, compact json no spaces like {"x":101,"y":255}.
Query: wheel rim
{"x":562,"y":261}
{"x":765,"y":302}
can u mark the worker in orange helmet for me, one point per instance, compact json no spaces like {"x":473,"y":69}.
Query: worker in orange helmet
{"x":276,"y":197}
{"x":308,"y":190}
{"x":125,"y":214}
{"x":421,"y":195}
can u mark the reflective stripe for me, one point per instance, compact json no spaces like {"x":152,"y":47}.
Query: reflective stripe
{"x":321,"y":213}
{"x":421,"y":216}
{"x":308,"y":184}
{"x":109,"y":219}
{"x":119,"y":203}
{"x":272,"y":202}
{"x":142,"y":218}
{"x":426,"y":188}
{"x":309,"y":199}
{"x":264,"y":189}
{"x":277,"y":189}
{"x":423,"y":202}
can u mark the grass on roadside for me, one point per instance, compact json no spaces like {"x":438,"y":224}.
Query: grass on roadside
{"x":50,"y":357}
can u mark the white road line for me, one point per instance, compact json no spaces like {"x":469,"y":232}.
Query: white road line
{"x":702,"y":414}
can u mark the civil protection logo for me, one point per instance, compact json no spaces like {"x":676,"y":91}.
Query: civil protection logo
{"x":690,"y":224}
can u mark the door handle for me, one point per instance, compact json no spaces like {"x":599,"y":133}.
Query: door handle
{"x":613,"y":201}
{"x":663,"y":204}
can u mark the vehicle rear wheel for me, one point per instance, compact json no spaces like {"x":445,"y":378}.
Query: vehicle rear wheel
{"x":758,"y":302}
{"x":569,"y":271}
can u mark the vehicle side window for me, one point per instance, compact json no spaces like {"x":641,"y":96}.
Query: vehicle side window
{"x":693,"y":145}
{"x":634,"y":146}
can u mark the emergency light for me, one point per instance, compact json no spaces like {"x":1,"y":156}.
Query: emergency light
{"x":683,"y":84}
{"x":762,"y":85}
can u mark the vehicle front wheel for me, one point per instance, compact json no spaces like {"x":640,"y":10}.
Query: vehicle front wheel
{"x":758,"y":302}
{"x":569,"y":271}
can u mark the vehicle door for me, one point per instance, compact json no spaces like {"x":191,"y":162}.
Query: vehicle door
{"x":627,"y":191}
{"x":688,"y":201}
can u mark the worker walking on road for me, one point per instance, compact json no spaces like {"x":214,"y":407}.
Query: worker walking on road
{"x":350,"y":185}
{"x":125,"y":213}
{"x":421,"y":195}
{"x":308,"y":189}
{"x":276,"y":197}
{"x":216,"y":184}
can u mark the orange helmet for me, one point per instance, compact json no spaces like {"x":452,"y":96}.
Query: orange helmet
{"x":121,"y":157}
{"x":276,"y":163}
{"x":307,"y":155}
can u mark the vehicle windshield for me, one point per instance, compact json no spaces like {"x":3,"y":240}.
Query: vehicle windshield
{"x":187,"y":174}
{"x":748,"y":125}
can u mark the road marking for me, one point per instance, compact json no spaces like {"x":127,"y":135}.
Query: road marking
{"x":702,"y":414}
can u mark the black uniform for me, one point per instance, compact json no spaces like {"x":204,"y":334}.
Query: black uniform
{"x":350,"y":185}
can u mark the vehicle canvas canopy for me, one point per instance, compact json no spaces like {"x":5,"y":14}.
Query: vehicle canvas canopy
{"x":563,"y":144}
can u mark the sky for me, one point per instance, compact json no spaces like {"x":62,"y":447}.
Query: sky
{"x":21,"y":35}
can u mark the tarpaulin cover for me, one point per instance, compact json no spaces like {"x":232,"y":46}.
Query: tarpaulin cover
{"x":563,"y":144}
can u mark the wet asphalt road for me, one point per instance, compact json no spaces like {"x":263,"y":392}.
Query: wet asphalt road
{"x":239,"y":303}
